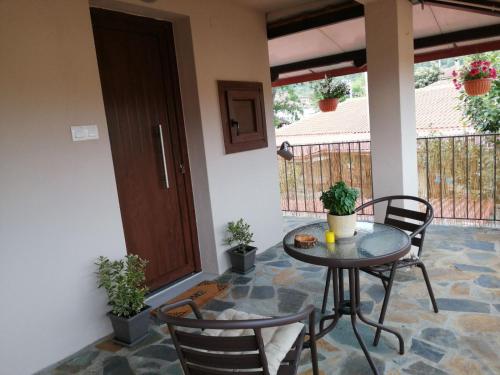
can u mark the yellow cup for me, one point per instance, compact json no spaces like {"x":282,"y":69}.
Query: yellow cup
{"x":329,"y":236}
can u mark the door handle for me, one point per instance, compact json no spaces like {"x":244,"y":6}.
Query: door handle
{"x":235,"y":124}
{"x":163,"y":158}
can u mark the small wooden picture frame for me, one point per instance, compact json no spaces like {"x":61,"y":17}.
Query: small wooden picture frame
{"x":243,"y":115}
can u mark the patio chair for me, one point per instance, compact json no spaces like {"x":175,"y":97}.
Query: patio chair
{"x":247,"y":347}
{"x":395,"y":216}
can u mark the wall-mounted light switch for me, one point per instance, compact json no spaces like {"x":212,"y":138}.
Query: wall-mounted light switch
{"x":84,"y":133}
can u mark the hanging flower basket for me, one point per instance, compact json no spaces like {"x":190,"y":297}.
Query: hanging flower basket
{"x":477,"y":87}
{"x":330,"y":91}
{"x":328,"y":105}
{"x":475,"y":78}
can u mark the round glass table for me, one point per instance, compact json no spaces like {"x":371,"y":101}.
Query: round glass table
{"x":373,"y":244}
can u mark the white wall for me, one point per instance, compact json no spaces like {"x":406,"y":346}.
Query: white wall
{"x":58,"y":202}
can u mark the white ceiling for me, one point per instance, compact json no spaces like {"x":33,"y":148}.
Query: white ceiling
{"x":350,"y":35}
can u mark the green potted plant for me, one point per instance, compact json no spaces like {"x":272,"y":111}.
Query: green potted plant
{"x":330,"y":91}
{"x":242,"y":255}
{"x":123,"y":280}
{"x":340,"y":202}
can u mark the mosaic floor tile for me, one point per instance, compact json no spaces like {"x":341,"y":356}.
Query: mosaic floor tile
{"x":464,"y":268}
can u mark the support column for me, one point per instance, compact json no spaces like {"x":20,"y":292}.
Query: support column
{"x":391,"y":97}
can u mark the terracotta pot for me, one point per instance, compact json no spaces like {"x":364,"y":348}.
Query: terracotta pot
{"x":342,"y":226}
{"x":328,"y":105}
{"x":476,"y":87}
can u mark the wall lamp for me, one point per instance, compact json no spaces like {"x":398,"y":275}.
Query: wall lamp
{"x":285,"y":152}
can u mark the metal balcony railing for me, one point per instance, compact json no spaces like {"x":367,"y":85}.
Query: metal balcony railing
{"x":457,"y":175}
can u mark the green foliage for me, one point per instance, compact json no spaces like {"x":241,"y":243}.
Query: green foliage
{"x":329,"y":88}
{"x":239,"y":233}
{"x":123,"y":281}
{"x":426,"y":75}
{"x":483,"y":112}
{"x":287,"y":107}
{"x":358,"y":85}
{"x":340,"y":199}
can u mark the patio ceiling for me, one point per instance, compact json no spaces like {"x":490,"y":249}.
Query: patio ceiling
{"x":339,"y":46}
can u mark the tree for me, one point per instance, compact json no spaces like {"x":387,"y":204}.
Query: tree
{"x":483,"y":112}
{"x":426,"y":75}
{"x":287,"y":106}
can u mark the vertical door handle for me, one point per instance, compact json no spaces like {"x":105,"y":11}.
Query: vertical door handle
{"x":163,"y":158}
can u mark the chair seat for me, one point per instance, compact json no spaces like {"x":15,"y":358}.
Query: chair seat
{"x":401,"y":263}
{"x":278,"y":341}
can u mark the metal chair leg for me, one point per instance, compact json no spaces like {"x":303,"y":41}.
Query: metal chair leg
{"x":386,"y":302}
{"x":429,"y":287}
{"x":327,"y":289}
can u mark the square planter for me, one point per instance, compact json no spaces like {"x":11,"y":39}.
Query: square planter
{"x":129,"y":331}
{"x":242,"y":262}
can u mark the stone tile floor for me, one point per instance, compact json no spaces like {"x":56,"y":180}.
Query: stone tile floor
{"x":463,"y":338}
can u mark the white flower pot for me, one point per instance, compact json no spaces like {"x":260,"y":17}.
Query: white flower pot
{"x":342,"y":226}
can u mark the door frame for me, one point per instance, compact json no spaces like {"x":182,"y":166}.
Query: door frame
{"x":171,"y":80}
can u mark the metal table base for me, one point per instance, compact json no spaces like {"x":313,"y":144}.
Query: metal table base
{"x":352,"y":307}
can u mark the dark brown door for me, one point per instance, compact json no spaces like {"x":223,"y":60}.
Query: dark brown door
{"x":139,"y":81}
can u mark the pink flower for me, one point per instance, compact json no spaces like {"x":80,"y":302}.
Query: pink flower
{"x":484,"y":68}
{"x":454,"y":80}
{"x":475,"y":64}
{"x":486,"y":63}
{"x":454,"y":73}
{"x":474,"y":72}
{"x":493,"y":73}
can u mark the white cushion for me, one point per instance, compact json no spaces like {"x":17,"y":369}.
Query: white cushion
{"x":277,"y":340}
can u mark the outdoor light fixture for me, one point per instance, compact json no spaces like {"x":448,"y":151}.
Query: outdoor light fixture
{"x":284,"y":151}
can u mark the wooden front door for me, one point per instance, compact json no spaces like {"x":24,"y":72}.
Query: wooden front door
{"x":140,"y":87}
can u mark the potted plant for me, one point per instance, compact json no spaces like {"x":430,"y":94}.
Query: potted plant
{"x":242,"y":255}
{"x":340,"y":201}
{"x":475,"y":78}
{"x":123,"y":280}
{"x":330,"y":91}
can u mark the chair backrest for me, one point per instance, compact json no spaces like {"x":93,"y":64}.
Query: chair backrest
{"x":412,"y":221}
{"x":201,"y":354}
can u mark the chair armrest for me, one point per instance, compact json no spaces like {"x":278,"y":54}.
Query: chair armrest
{"x":165,"y":308}
{"x":427,"y":222}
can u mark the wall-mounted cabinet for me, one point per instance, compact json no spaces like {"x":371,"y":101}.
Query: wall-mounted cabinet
{"x":243,"y":115}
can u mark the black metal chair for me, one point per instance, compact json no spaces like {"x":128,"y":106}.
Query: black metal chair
{"x":223,"y":355}
{"x":416,"y":228}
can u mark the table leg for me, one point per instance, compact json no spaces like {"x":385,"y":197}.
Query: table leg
{"x":341,"y":285}
{"x":371,"y":323}
{"x":354,"y":302}
{"x":337,"y":313}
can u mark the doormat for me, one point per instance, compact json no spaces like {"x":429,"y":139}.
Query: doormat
{"x":200,"y":294}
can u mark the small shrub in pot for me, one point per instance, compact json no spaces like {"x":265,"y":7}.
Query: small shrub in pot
{"x":124,"y":282}
{"x":242,"y":255}
{"x":340,"y":202}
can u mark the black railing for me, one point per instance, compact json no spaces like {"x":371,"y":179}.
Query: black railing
{"x":457,"y":175}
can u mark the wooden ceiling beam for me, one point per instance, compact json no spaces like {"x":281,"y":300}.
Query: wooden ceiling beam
{"x":422,"y":57}
{"x":313,"y":19}
{"x":488,"y":8}
{"x":359,"y":56}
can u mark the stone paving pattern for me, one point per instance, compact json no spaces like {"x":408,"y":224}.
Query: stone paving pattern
{"x":463,"y":338}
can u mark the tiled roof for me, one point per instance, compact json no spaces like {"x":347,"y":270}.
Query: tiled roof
{"x":436,"y":107}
